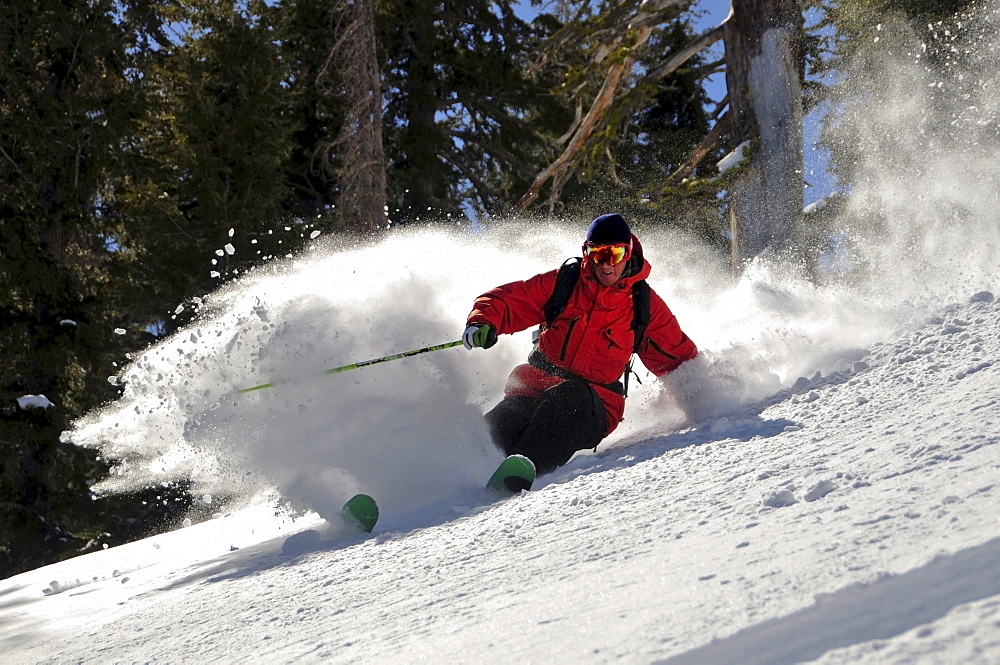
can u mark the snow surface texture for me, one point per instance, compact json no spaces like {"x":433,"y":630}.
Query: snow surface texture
{"x":820,"y":485}
{"x":850,"y":518}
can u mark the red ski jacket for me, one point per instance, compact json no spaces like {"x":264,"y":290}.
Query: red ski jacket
{"x":592,"y":337}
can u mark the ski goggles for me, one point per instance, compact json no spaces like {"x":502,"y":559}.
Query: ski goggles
{"x":613,"y":254}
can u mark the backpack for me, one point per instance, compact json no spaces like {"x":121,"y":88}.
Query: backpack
{"x":569,"y":273}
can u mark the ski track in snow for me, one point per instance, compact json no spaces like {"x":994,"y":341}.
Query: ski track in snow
{"x":850,"y":518}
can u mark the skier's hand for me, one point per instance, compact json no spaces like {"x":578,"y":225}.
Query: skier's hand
{"x":479,"y":334}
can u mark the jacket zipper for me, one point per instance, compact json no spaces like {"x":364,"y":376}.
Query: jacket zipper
{"x":569,"y":333}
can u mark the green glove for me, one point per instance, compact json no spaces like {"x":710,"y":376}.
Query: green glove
{"x":479,"y":334}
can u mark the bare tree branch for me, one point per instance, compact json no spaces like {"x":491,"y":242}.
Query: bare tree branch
{"x":707,"y":144}
{"x":560,"y":167}
{"x":686,"y":53}
{"x":581,"y":130}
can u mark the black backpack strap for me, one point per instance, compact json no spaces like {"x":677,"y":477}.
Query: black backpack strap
{"x":569,"y":273}
{"x":640,"y":320}
{"x":640,"y":305}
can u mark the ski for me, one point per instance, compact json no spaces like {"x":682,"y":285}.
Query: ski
{"x":514,"y":474}
{"x":361,"y":511}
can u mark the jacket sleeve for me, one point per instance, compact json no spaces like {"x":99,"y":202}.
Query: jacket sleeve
{"x":664,"y":346}
{"x":516,"y":306}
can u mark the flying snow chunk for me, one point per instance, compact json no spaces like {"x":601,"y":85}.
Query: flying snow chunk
{"x":34,"y":402}
{"x":120,"y":331}
{"x":230,"y":250}
{"x":314,"y":235}
{"x":68,"y":323}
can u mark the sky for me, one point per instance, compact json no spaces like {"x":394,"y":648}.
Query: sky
{"x":820,"y":485}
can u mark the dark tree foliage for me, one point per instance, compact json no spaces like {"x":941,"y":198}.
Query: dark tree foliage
{"x":68,"y":105}
{"x":308,"y":29}
{"x":213,"y":150}
{"x":463,"y":120}
{"x":658,"y":123}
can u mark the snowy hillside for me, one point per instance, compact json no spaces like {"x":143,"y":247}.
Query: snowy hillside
{"x":850,"y":518}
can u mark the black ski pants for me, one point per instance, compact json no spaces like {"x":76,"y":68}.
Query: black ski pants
{"x":548,"y":430}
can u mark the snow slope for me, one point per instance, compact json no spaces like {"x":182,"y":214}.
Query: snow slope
{"x":850,"y":518}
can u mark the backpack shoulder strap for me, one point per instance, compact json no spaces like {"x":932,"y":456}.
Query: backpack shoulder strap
{"x":569,"y":273}
{"x":640,"y":320}
{"x":640,"y":304}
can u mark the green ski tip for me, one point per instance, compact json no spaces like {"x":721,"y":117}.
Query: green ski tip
{"x":361,"y":511}
{"x":514,"y":474}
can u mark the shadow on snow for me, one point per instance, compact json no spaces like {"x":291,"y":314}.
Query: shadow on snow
{"x":857,"y":614}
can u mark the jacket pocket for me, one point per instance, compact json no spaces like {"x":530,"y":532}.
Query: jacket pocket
{"x":622,"y":339}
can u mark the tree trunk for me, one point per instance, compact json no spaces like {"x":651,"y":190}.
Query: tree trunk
{"x":764,"y":77}
{"x":362,"y":181}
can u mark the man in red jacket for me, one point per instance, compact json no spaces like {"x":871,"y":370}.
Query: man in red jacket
{"x":569,"y":395}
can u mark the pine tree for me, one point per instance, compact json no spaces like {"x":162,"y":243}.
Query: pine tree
{"x":67,"y":272}
{"x":634,"y":73}
{"x":209,"y":188}
{"x":307,"y":30}
{"x":463,"y":118}
{"x":646,"y":138}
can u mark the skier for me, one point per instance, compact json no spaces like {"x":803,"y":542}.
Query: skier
{"x":569,"y":395}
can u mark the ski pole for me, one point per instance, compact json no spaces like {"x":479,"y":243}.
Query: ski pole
{"x":363,"y":363}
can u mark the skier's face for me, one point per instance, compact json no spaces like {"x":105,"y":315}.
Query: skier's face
{"x":606,"y":272}
{"x":607,"y":260}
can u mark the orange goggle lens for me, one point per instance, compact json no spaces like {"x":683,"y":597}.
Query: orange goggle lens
{"x":613,"y":254}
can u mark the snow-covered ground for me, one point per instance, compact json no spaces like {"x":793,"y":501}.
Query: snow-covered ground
{"x":819,"y":485}
{"x":849,"y":518}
